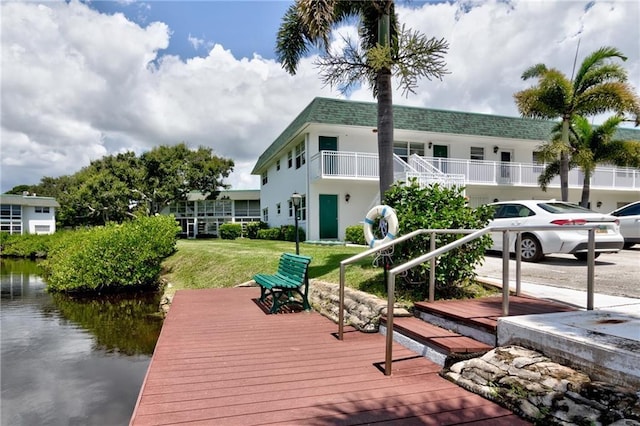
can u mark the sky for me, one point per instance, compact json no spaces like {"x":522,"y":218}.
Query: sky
{"x":82,"y":80}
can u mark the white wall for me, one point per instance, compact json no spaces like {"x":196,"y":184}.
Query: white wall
{"x":31,"y":219}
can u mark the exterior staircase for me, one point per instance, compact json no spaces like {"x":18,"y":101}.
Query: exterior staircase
{"x":447,"y":331}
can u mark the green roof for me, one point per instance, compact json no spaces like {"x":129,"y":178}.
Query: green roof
{"x":351,"y":113}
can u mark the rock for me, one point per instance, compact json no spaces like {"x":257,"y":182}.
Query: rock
{"x":362,"y":310}
{"x":545,"y":392}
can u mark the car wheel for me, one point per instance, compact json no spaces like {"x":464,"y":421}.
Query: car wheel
{"x":530,"y":249}
{"x":627,"y":246}
{"x":583,"y":256}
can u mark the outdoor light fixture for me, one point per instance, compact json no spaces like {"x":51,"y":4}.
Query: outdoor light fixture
{"x":430,"y":145}
{"x":599,"y":204}
{"x":495,"y":149}
{"x":296,"y":199}
{"x":347,"y":197}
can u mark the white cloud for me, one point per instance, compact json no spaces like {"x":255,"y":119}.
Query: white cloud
{"x":77,"y":84}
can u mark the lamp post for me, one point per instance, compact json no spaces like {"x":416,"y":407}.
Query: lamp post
{"x":295,"y":200}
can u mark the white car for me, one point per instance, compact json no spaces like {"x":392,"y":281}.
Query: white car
{"x":535,"y":244}
{"x":629,"y":217}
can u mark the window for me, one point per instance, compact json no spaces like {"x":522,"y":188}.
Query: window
{"x":302,"y":210}
{"x":278,"y":164}
{"x":405,"y":149}
{"x":11,"y":218}
{"x":247,"y":208}
{"x":300,"y":158}
{"x":265,"y":178}
{"x":42,"y":209}
{"x":476,"y":153}
{"x":290,"y":159}
{"x":42,"y":229}
{"x":278,"y":209}
{"x":265,"y":214}
{"x":536,"y":157}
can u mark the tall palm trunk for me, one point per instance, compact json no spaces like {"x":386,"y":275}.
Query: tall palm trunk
{"x":385,"y":131}
{"x":586,"y":188}
{"x":564,"y":161}
{"x":385,"y":114}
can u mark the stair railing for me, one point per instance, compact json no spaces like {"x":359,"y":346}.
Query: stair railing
{"x":434,"y":253}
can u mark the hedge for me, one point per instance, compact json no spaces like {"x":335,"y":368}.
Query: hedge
{"x":113,"y":257}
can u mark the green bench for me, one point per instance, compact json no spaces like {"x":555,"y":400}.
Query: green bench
{"x":291,"y":278}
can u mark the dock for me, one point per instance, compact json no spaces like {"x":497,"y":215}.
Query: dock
{"x":222,"y":360}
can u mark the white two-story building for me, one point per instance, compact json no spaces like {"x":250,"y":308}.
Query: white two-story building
{"x":27,"y":214}
{"x":328,"y":154}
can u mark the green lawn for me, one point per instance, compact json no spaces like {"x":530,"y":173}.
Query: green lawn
{"x":220,"y":263}
{"x":225,"y":263}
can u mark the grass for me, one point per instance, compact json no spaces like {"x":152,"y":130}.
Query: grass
{"x":220,"y":263}
{"x":225,"y":263}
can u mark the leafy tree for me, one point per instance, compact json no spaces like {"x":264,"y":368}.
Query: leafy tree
{"x":117,"y":187}
{"x":19,"y":189}
{"x":171,"y":172}
{"x":588,"y":147}
{"x":599,"y":86}
{"x":384,"y":50}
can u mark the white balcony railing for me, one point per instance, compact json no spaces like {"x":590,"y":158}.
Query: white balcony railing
{"x":358,"y":165}
{"x":526,"y":174}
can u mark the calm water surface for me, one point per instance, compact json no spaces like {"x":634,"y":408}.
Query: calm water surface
{"x":71,"y":361}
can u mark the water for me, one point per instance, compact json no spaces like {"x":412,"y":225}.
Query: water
{"x":71,"y":361}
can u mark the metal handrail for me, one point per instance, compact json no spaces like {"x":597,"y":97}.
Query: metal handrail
{"x":434,"y":253}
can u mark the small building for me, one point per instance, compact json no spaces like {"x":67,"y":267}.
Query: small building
{"x":329,"y":155}
{"x":201,"y":218}
{"x":27,"y":214}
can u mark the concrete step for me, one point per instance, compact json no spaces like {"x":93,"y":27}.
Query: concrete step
{"x":437,"y":344}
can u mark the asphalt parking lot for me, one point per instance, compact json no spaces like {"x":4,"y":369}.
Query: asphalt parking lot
{"x":616,"y":274}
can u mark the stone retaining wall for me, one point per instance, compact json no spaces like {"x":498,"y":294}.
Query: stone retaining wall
{"x":362,"y":310}
{"x":543,"y":391}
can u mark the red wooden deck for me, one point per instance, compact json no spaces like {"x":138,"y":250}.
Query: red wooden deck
{"x":221,"y":360}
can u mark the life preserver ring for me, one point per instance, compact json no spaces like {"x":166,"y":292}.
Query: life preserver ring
{"x":389,"y":216}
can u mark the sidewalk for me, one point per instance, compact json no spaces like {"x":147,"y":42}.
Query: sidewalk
{"x":571,"y":297}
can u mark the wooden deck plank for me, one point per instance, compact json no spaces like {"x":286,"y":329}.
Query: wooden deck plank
{"x":221,"y":360}
{"x":485,"y":311}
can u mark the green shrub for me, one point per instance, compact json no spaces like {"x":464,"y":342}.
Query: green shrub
{"x":112,"y":257}
{"x":28,"y":245}
{"x":288,"y":233}
{"x":355,"y":234}
{"x":230,"y":231}
{"x":252,"y":229}
{"x":269,"y":234}
{"x":436,"y":207}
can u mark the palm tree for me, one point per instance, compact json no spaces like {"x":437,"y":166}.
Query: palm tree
{"x":384,"y":50}
{"x":588,"y":147}
{"x":599,"y":86}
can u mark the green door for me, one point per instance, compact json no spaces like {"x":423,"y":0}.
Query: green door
{"x":329,"y":161}
{"x":441,"y":151}
{"x":328,"y":216}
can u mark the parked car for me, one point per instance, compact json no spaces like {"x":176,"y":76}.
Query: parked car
{"x":629,"y":217}
{"x":535,"y":244}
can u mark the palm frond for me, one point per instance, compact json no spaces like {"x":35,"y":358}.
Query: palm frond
{"x":596,"y":59}
{"x":292,"y":39}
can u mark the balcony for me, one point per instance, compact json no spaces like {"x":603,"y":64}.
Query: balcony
{"x":364,"y":166}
